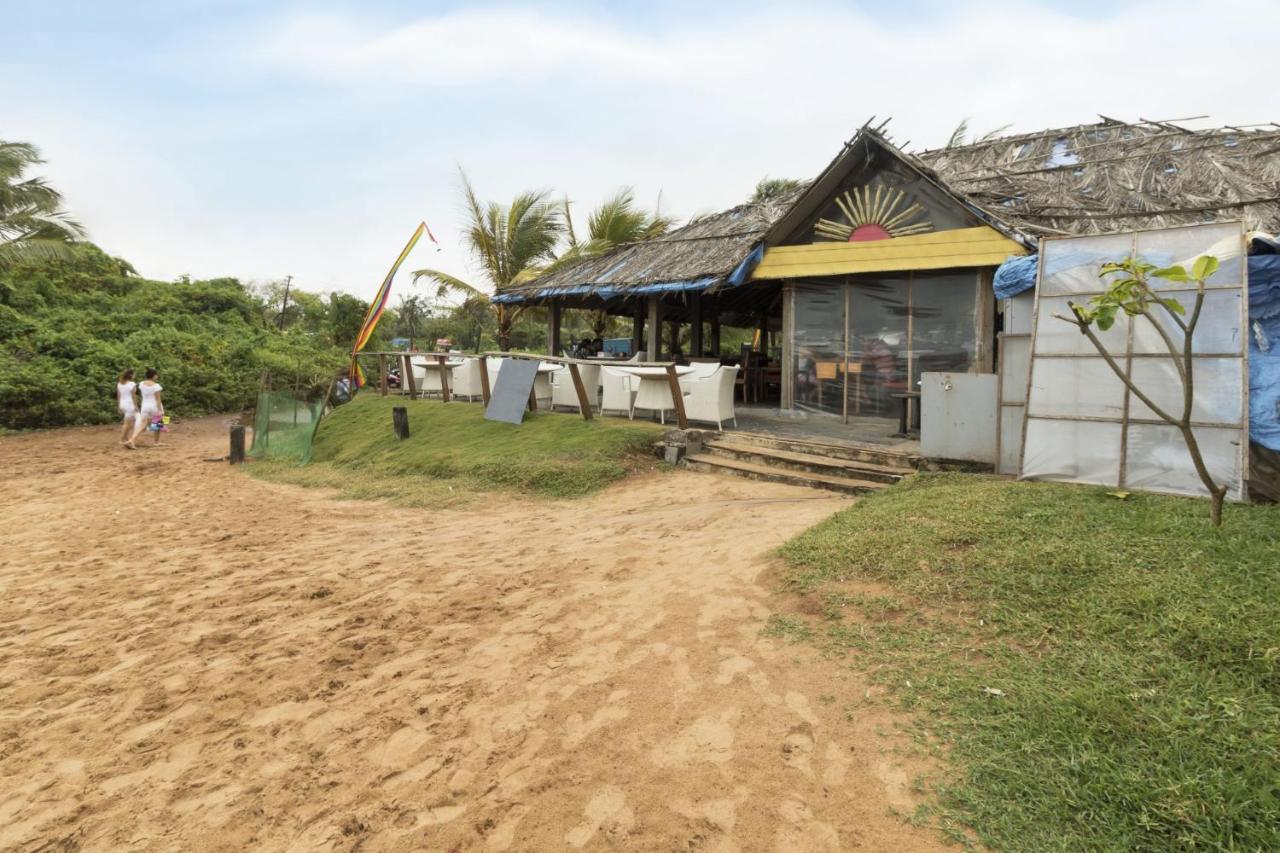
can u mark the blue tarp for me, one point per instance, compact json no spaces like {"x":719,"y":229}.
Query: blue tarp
{"x":1018,"y":275}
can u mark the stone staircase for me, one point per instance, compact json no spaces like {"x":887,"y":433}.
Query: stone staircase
{"x":849,"y":468}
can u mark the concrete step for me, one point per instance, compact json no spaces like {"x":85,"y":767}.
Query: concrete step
{"x":811,"y":463}
{"x":876,"y":454}
{"x":727,"y":465}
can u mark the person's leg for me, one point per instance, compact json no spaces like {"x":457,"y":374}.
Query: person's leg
{"x":140,"y":423}
{"x":126,"y":427}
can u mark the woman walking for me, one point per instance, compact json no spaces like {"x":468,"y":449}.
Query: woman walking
{"x":126,"y":389}
{"x":152,"y":404}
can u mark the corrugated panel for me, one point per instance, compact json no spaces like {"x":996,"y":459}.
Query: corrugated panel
{"x":962,"y":247}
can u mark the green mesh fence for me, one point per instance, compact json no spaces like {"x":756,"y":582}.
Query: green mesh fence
{"x":284,"y":426}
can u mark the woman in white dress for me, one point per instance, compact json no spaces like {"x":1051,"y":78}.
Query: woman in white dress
{"x":126,"y":402}
{"x":152,"y":404}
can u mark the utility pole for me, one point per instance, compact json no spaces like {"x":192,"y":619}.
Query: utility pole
{"x":284,"y":303}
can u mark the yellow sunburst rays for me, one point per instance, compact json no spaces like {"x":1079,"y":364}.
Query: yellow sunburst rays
{"x":884,"y":208}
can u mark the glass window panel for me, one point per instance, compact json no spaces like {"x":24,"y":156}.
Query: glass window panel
{"x":1075,"y":387}
{"x":1182,"y":246}
{"x":1157,"y":459}
{"x":1071,"y":266}
{"x":1061,"y":336}
{"x":1010,"y":439}
{"x":819,"y":347}
{"x":877,"y":344}
{"x":1015,"y":362}
{"x":1076,"y":451}
{"x":1219,"y":329}
{"x":943,"y":324}
{"x":1218,"y":389}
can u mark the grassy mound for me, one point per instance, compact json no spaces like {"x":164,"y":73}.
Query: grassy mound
{"x":452,"y":451}
{"x":1103,"y":674}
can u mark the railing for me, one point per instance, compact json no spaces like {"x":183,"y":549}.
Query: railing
{"x":584,"y":404}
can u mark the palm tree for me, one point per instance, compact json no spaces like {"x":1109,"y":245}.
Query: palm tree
{"x":960,"y":136}
{"x":509,"y":243}
{"x":616,"y":222}
{"x":769,"y":188}
{"x":32,"y":221}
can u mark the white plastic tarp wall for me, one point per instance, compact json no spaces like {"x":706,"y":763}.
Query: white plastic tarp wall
{"x":1082,"y":424}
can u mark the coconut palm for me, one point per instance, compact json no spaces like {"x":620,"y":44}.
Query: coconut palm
{"x":509,"y":243}
{"x":960,"y":136}
{"x":769,"y":188}
{"x":32,"y":221}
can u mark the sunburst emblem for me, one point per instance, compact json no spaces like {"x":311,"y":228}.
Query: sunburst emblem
{"x":873,"y":216}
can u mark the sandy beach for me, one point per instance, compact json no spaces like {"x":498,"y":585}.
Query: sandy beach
{"x":192,"y":659}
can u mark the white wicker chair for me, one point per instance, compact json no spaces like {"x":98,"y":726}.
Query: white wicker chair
{"x":465,"y":379}
{"x":563,"y":392}
{"x":426,"y":380}
{"x":619,"y":391}
{"x":709,"y":398}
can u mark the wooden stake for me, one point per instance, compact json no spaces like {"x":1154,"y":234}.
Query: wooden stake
{"x":584,"y":403}
{"x":443,"y":361}
{"x":484,"y":379}
{"x":237,"y":445}
{"x":400,"y":422}
{"x":409,"y":382}
{"x":677,"y":397}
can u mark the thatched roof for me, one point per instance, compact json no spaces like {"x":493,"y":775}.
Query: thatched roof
{"x":1117,"y":176}
{"x":698,"y":256}
{"x":1091,"y":178}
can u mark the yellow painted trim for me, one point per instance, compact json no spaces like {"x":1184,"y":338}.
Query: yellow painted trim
{"x":963,"y":247}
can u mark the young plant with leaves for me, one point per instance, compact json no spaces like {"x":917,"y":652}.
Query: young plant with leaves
{"x":1129,"y":290}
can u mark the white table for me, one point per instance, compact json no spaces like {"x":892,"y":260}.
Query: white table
{"x":542,"y":382}
{"x":654,"y":392}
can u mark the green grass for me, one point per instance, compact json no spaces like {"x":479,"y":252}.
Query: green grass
{"x":453,"y":453}
{"x":1135,"y":649}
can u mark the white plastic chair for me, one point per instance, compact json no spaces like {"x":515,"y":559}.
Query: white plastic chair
{"x":619,"y":391}
{"x":465,"y":379}
{"x":564,"y":394}
{"x":710,"y":398}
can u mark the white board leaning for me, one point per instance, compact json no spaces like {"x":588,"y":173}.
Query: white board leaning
{"x":1082,"y":425}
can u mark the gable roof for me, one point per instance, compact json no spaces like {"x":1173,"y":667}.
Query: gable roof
{"x":1090,"y":178}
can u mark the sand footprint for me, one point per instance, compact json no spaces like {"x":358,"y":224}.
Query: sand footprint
{"x":607,"y":812}
{"x":800,"y":832}
{"x":578,"y":729}
{"x":837,"y":765}
{"x":708,"y":739}
{"x":797,"y":748}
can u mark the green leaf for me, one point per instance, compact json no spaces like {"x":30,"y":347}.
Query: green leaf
{"x":1106,"y":316}
{"x":1170,"y":272}
{"x":1205,"y":266}
{"x":1174,"y":305}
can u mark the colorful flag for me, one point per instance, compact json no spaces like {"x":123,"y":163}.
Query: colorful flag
{"x":379,"y":303}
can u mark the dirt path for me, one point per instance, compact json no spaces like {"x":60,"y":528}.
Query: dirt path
{"x":193,"y":659}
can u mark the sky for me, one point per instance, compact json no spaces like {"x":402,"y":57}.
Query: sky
{"x":259,"y":139}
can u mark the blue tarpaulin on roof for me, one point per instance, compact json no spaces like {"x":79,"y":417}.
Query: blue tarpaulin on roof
{"x":1018,"y":275}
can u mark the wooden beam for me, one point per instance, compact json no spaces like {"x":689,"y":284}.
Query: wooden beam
{"x":677,"y":396}
{"x":695,"y":330}
{"x":443,"y":361}
{"x":637,"y":329}
{"x":484,"y":379}
{"x":553,"y":329}
{"x":584,"y":402}
{"x":409,"y":384}
{"x":654,"y":325}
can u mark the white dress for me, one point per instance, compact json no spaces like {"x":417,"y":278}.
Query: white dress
{"x":124,"y":398}
{"x":150,"y":406}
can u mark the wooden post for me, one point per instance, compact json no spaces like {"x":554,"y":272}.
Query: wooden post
{"x":584,"y":403}
{"x":400,"y":422}
{"x":637,"y":329}
{"x":673,"y":333}
{"x":408,"y":383}
{"x":654,"y":329}
{"x":484,"y":379}
{"x":443,"y":361}
{"x":533,"y":397}
{"x":237,"y":445}
{"x":695,"y":330}
{"x":715,"y":335}
{"x":553,"y":329}
{"x":677,"y":396}
{"x":382,"y":374}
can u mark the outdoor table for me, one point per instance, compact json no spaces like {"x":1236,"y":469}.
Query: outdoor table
{"x":654,"y":393}
{"x":542,"y":382}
